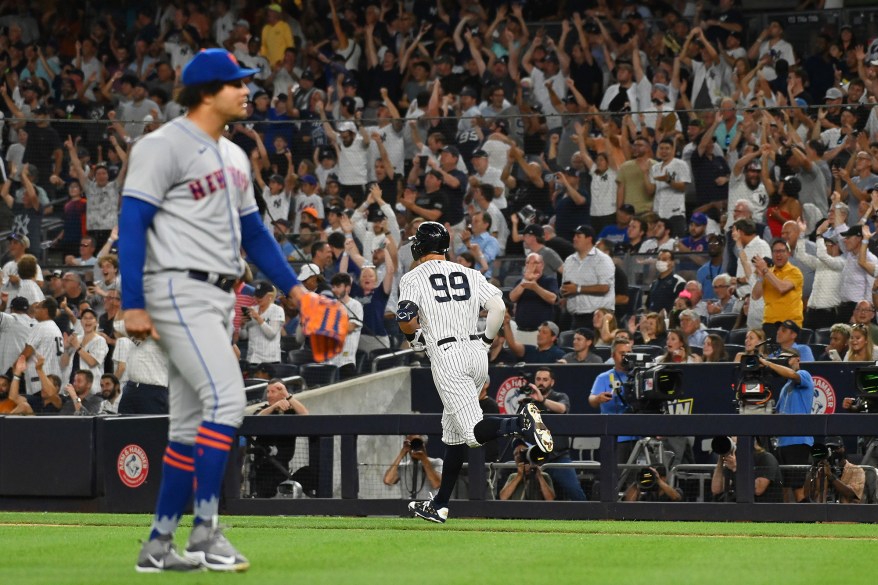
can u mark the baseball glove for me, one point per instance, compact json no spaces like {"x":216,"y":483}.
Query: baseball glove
{"x":325,"y":322}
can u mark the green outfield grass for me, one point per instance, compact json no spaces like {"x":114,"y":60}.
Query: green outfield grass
{"x":93,"y":549}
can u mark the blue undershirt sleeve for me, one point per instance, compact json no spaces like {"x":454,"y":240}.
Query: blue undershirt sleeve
{"x":265,"y":253}
{"x":134,"y":221}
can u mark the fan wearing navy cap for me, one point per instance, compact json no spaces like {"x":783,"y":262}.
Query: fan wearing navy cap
{"x":589,"y":279}
{"x":696,"y":241}
{"x":277,"y":199}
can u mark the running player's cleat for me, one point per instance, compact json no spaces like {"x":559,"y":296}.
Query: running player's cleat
{"x":209,"y":548}
{"x":160,"y":554}
{"x":534,"y":430}
{"x":424,"y":509}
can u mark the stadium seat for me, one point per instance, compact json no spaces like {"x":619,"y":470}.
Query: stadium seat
{"x":737,"y":336}
{"x":733,"y":349}
{"x":283,"y":370}
{"x":603,"y":351}
{"x":817,"y":349}
{"x":822,"y":335}
{"x":651,"y":350}
{"x":319,"y":374}
{"x":723,"y":333}
{"x":805,"y":336}
{"x":299,"y":357}
{"x":565,"y":339}
{"x":722,"y":321}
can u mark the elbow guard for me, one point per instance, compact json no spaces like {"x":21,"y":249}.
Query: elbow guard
{"x":406,"y":311}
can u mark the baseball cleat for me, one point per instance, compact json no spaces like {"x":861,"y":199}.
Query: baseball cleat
{"x":534,"y":430}
{"x":209,"y":548}
{"x":424,"y":509}
{"x":159,"y":555}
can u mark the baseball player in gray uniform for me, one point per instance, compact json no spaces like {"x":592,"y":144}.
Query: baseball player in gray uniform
{"x":439,"y":303}
{"x":188,"y":209}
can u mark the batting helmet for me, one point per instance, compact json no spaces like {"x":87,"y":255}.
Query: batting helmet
{"x":431,"y":238}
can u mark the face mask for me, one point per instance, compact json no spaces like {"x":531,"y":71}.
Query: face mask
{"x":661,"y":266}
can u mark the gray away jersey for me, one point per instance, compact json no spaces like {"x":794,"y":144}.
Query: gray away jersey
{"x":449,"y":297}
{"x":202,"y":188}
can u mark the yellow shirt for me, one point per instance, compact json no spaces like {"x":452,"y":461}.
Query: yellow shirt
{"x":780,"y":307}
{"x":276,"y":39}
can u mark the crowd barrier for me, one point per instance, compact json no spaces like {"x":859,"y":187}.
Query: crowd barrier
{"x":113,"y":464}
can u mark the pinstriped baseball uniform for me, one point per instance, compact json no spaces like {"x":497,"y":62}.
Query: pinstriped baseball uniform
{"x":449,"y":297}
{"x":263,"y":344}
{"x":201,"y":188}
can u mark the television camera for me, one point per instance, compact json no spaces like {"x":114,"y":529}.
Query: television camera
{"x":866,"y":379}
{"x":648,"y":386}
{"x":753,"y":395}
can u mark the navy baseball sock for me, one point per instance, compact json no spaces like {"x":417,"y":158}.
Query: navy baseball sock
{"x":178,"y":470}
{"x":495,"y":427}
{"x":212,"y":446}
{"x":451,"y":466}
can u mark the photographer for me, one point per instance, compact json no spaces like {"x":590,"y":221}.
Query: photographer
{"x":832,"y":478}
{"x":605,"y":396}
{"x":651,"y":486}
{"x":766,"y":471}
{"x":869,"y":444}
{"x":274,"y":453}
{"x":796,"y":397}
{"x":419,"y":473}
{"x":530,"y":483}
{"x":542,"y":393}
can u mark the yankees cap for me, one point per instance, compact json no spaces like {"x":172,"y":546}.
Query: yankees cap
{"x":211,"y":65}
{"x":19,"y":304}
{"x":262,"y":289}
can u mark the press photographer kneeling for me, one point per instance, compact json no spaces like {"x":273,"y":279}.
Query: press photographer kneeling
{"x":272,"y":454}
{"x":651,"y":485}
{"x":768,"y":480}
{"x":832,"y":478}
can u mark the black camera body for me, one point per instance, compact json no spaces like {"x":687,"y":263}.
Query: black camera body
{"x":527,"y":378}
{"x":649,"y":386}
{"x":416,"y":445}
{"x":821,"y":453}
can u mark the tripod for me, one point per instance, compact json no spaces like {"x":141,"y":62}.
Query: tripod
{"x":646,"y":451}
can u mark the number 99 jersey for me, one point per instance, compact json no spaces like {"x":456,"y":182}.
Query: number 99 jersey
{"x":449,"y":296}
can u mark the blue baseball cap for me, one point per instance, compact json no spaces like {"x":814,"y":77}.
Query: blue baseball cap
{"x":214,"y":65}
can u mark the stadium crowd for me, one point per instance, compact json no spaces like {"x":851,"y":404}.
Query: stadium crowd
{"x":656,"y":171}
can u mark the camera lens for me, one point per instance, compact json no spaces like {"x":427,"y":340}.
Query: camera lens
{"x":416,"y":445}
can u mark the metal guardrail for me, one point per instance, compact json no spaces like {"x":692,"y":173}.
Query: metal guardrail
{"x":607,"y":427}
{"x":390,"y":356}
